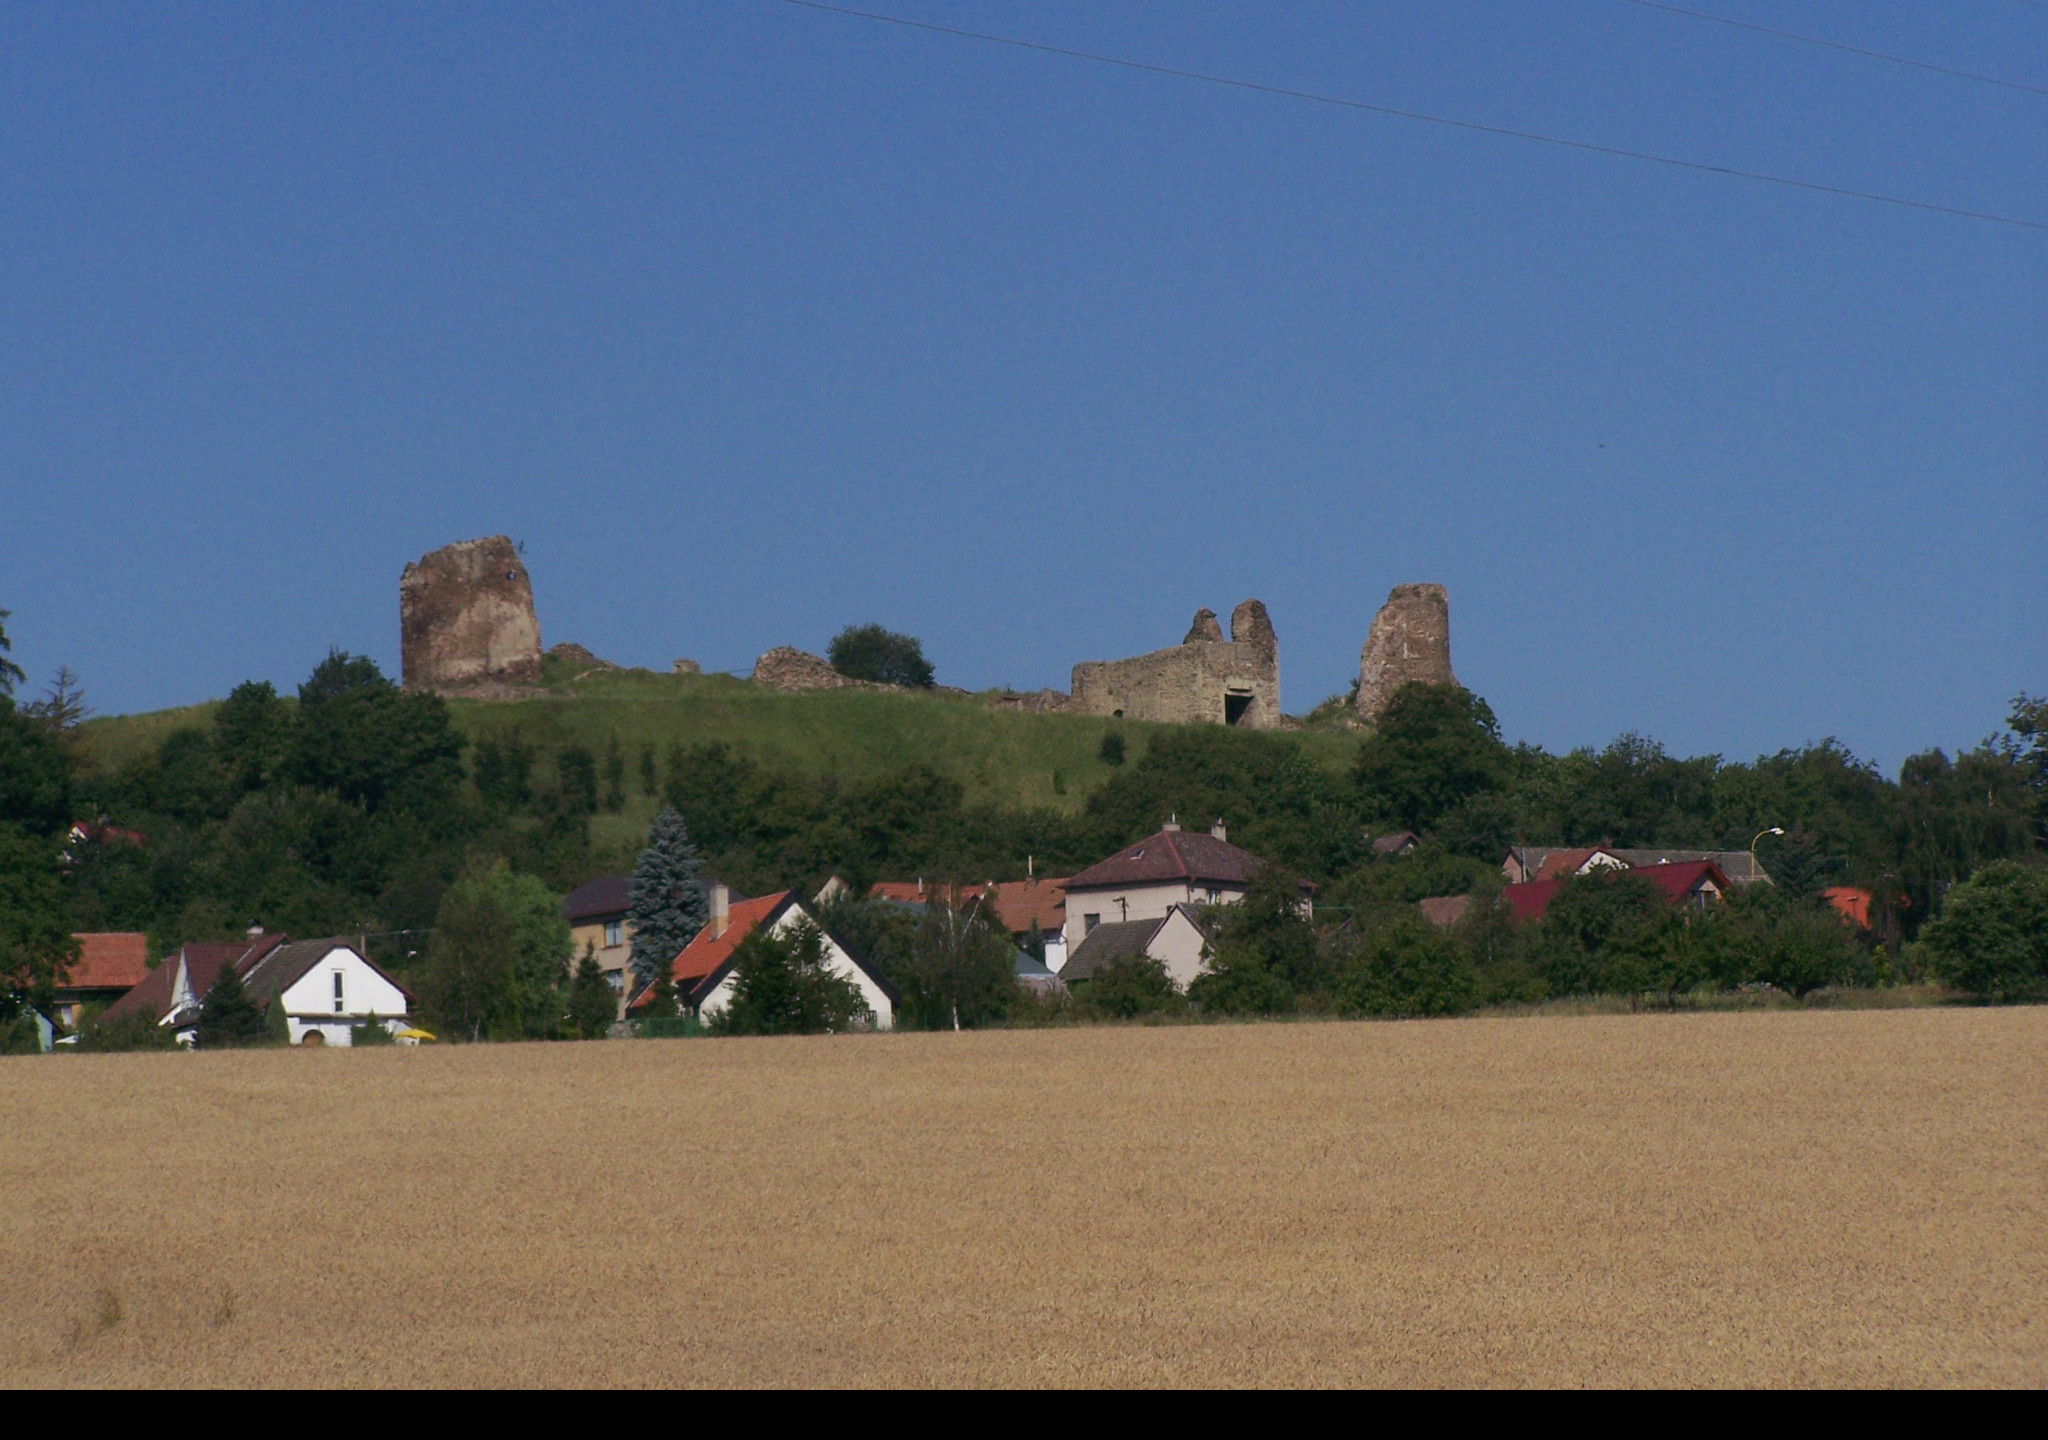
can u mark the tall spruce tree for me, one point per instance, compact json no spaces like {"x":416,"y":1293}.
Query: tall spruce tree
{"x":666,"y":902}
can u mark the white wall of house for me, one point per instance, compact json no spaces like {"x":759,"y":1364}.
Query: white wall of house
{"x":836,"y":960}
{"x":1056,"y":951}
{"x":1178,"y":947}
{"x":337,"y":993}
{"x":1111,"y":905}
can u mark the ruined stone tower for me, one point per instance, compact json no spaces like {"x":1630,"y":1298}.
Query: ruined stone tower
{"x":1410,"y":639}
{"x":1204,"y":678}
{"x":465,"y":618}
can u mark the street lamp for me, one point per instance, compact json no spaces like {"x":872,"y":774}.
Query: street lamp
{"x":1774,"y":830}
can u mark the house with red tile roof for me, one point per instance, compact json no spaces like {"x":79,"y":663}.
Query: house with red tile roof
{"x":703,"y":973}
{"x":1694,"y":884}
{"x":1147,"y":880}
{"x":109,"y":965}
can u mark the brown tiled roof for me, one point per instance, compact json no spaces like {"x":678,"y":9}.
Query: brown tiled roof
{"x":1444,"y":911}
{"x":108,"y":960}
{"x":1173,"y":855}
{"x":202,"y":964}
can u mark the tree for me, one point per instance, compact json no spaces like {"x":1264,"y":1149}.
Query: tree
{"x":665,"y":901}
{"x":250,"y":732}
{"x":963,"y":970}
{"x":536,"y":947}
{"x":1127,"y":987}
{"x":1262,"y":951}
{"x":783,"y":986}
{"x":468,"y":972}
{"x":11,"y":674}
{"x":1609,"y":932}
{"x":1409,"y":967}
{"x":1991,"y":937}
{"x":1435,"y":747}
{"x":592,"y":1005}
{"x":63,"y":707}
{"x":35,"y":933}
{"x":229,"y":1018}
{"x":360,"y":737}
{"x":650,"y":783}
{"x":1111,"y":751}
{"x":35,"y":776}
{"x":614,"y":775}
{"x":868,"y":652}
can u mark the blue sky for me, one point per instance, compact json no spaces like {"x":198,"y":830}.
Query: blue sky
{"x":751,"y":322}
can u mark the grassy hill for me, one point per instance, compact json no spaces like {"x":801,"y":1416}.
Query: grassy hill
{"x":998,"y":755}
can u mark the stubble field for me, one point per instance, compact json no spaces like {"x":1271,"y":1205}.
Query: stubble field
{"x":1749,"y":1199}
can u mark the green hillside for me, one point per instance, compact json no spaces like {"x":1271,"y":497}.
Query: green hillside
{"x":1000,"y":756}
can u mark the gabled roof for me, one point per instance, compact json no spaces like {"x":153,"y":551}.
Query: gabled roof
{"x":1394,"y":844}
{"x":1543,"y":861}
{"x":285,"y":966}
{"x":1170,"y":855}
{"x":199,"y":964}
{"x":707,"y":952}
{"x":1108,"y":943}
{"x":1529,"y":901}
{"x":1019,"y":904}
{"x":108,"y":960}
{"x":606,"y":895}
{"x":706,"y":959}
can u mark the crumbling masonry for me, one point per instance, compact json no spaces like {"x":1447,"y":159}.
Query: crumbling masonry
{"x":1410,"y":639}
{"x":1204,"y":678}
{"x":465,"y":618}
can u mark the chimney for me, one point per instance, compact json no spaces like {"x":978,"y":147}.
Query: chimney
{"x":721,"y":909}
{"x":1217,"y":829}
{"x":254,"y":931}
{"x":1172,"y":824}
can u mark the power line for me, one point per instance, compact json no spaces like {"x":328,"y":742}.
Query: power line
{"x":1471,"y":125}
{"x":1835,"y":45}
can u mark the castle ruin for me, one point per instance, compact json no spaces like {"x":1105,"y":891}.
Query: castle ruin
{"x":1410,"y":639}
{"x":1205,"y":678}
{"x":465,"y":618}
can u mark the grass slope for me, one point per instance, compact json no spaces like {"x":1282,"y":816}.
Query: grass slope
{"x":1782,"y":1199}
{"x":1003,"y":756}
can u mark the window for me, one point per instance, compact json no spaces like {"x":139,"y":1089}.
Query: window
{"x":337,"y":992}
{"x":1089,"y":922}
{"x":613,"y":933}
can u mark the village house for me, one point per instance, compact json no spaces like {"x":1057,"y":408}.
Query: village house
{"x":109,"y":965}
{"x":172,"y":993}
{"x":596,"y":912}
{"x":1175,"y":940}
{"x":327,"y":988}
{"x":703,"y":973}
{"x":1148,"y":880}
{"x":1552,"y":862}
{"x":1019,"y":906}
{"x":1693,"y":884}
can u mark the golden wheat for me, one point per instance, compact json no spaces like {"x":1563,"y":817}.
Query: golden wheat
{"x":1769,"y":1199}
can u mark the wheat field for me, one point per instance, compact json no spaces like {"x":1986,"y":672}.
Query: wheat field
{"x":1780,"y":1198}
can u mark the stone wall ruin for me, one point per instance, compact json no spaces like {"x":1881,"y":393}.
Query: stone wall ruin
{"x":1204,"y":679}
{"x":465,"y":618}
{"x":1410,"y":639}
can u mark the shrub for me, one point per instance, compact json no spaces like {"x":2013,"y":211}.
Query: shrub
{"x":1262,"y":952}
{"x":133,"y":1030}
{"x":1409,"y":967}
{"x":228,"y":1017}
{"x":782,"y":986}
{"x":868,"y":652}
{"x":1111,"y":751}
{"x":371,"y":1031}
{"x":592,"y":1005}
{"x":1126,"y":988}
{"x":1991,"y":937}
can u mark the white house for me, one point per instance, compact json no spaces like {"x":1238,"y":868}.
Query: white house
{"x":1147,"y":880}
{"x":1174,"y":939}
{"x":703,"y":973}
{"x":327,"y":989}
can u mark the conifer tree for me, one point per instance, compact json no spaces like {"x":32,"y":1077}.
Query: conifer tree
{"x":228,"y":1017}
{"x":591,"y":1002}
{"x":666,"y":902}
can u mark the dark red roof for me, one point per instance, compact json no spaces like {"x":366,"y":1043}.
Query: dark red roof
{"x":1528,"y":901}
{"x":202,"y":964}
{"x":1173,"y":855}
